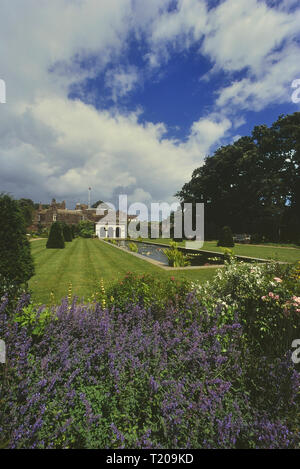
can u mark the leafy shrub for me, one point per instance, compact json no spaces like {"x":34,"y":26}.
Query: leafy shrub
{"x":145,"y":291}
{"x":85,"y":229}
{"x":34,"y":318}
{"x":133,"y":247}
{"x":226,"y":238}
{"x":265,"y":296}
{"x":56,"y":237}
{"x":175,"y":257}
{"x":108,"y":379}
{"x":16,"y":263}
{"x":10,"y":293}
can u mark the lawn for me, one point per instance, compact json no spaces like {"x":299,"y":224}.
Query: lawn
{"x":278,"y":253}
{"x":84,"y":262}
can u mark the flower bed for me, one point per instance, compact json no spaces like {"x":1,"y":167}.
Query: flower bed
{"x":128,"y":371}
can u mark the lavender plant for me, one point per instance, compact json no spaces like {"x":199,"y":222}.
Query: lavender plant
{"x":119,"y":378}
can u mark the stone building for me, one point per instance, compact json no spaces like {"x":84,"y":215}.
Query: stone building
{"x":107,"y":224}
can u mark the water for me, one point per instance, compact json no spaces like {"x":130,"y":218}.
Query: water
{"x":152,"y":251}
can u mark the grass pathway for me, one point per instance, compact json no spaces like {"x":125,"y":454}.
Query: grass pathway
{"x":278,"y":253}
{"x":84,"y":262}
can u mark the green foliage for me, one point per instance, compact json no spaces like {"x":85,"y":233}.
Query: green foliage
{"x":35,"y":320}
{"x":228,"y":254}
{"x":133,"y":247}
{"x":16,"y":264}
{"x":67,"y":233}
{"x":226,"y":238}
{"x":56,"y":237}
{"x":251,"y":184}
{"x":27,"y":208}
{"x":74,"y":231}
{"x":99,"y":202}
{"x":85,"y":229}
{"x":266,"y":296}
{"x":175,"y":257}
{"x":144,"y":290}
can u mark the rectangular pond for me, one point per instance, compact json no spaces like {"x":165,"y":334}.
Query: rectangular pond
{"x":156,"y":252}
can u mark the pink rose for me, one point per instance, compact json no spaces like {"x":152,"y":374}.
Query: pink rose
{"x":277,"y":279}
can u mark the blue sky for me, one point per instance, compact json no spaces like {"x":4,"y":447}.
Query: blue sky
{"x":130,"y":96}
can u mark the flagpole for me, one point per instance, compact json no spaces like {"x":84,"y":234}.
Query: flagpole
{"x":89,"y":197}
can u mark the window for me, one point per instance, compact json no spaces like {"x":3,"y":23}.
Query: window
{"x":54,"y":217}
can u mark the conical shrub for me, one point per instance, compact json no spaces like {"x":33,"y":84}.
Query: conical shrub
{"x":67,"y":233}
{"x":56,"y":237}
{"x":226,"y":238}
{"x":16,"y":263}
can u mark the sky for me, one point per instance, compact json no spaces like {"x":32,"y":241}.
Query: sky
{"x":130,"y":96}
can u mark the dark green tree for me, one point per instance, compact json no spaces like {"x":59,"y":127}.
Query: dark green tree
{"x":67,"y":232}
{"x":95,"y":205}
{"x":252,"y":185}
{"x":74,"y":230}
{"x":56,"y":237}
{"x":16,"y":263}
{"x":86,"y":229}
{"x":27,"y":208}
{"x":226,"y":238}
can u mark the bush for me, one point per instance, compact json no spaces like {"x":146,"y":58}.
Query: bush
{"x":10,"y":293}
{"x":56,"y":237}
{"x":175,"y":257}
{"x":265,"y":296}
{"x":133,"y":247}
{"x":85,"y":229}
{"x":226,"y":238}
{"x":145,"y":291}
{"x":256,"y":239}
{"x":67,"y":233}
{"x":16,"y":263}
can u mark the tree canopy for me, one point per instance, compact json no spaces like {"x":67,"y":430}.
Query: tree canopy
{"x":252,"y":185}
{"x":16,"y":263}
{"x":27,"y":207}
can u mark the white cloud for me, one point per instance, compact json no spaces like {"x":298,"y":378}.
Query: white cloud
{"x":243,"y":33}
{"x":207,"y":132}
{"x":177,"y":29}
{"x":236,"y":35}
{"x":104,"y":150}
{"x":274,"y":87}
{"x":52,"y":146}
{"x":121,"y":81}
{"x":139,"y":195}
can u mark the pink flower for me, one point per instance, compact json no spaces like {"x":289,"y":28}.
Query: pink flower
{"x":271,"y":294}
{"x":276,"y":297}
{"x":263,"y":297}
{"x":277,"y":279}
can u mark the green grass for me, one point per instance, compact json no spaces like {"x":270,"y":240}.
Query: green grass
{"x":84,"y":262}
{"x":274,"y":252}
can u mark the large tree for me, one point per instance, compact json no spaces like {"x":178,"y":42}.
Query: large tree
{"x":27,"y":207}
{"x":16,"y":263}
{"x":252,"y":185}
